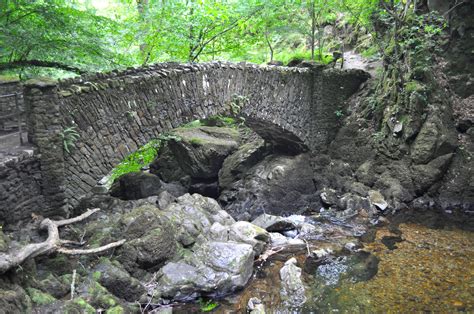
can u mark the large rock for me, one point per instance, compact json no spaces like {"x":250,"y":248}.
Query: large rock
{"x":292,"y":290}
{"x":193,"y":215}
{"x":136,"y":185}
{"x":237,"y":164}
{"x":214,"y":267}
{"x":119,"y":282}
{"x":424,"y":176}
{"x":199,"y":153}
{"x":278,"y":185}
{"x":151,"y":240}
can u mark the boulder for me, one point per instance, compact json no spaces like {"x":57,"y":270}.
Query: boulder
{"x":245,"y":232}
{"x":136,"y":185}
{"x":278,"y":185}
{"x":328,"y":197}
{"x":237,"y":164}
{"x":166,"y":166}
{"x":200,"y":152}
{"x":255,"y":306}
{"x":151,"y":240}
{"x":115,"y":279}
{"x":424,"y":176}
{"x":292,"y":290}
{"x":214,"y":267}
{"x":193,"y":215}
{"x":377,"y":199}
{"x":274,"y":223}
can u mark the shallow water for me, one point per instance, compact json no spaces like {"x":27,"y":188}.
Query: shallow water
{"x":410,"y":269}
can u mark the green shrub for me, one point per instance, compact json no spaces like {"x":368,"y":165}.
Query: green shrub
{"x":140,"y":158}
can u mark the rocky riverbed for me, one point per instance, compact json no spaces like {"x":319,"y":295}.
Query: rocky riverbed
{"x":222,"y":220}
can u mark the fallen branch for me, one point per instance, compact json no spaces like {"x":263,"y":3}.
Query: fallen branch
{"x":52,"y":244}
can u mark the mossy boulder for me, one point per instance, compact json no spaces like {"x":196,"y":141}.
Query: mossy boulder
{"x":113,"y":276}
{"x":40,"y":298}
{"x":96,"y":295}
{"x":51,"y":284}
{"x":13,"y":299}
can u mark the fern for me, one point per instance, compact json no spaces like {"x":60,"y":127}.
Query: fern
{"x":69,"y":137}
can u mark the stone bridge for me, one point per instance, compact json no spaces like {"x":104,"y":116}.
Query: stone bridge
{"x":117,"y":112}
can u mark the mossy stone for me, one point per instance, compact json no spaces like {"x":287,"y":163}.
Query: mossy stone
{"x":40,"y":298}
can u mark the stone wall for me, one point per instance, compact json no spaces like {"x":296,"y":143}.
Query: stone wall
{"x":20,"y":189}
{"x":117,"y":112}
{"x":8,"y":104}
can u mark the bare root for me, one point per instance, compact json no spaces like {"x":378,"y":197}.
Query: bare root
{"x":52,"y":244}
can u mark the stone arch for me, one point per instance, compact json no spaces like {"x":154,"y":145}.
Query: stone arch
{"x":117,"y":112}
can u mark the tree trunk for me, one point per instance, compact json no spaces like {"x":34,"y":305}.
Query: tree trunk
{"x":313,"y":28}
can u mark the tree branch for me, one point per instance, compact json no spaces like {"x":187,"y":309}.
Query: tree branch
{"x":52,"y":244}
{"x":39,"y":63}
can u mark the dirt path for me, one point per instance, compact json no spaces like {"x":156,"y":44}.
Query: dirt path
{"x":10,"y":146}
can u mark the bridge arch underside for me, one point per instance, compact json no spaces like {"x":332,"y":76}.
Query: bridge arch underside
{"x":117,"y":115}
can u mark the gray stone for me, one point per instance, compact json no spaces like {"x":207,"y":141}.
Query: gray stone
{"x":278,"y":185}
{"x":273,"y":223}
{"x":237,"y":164}
{"x":246,"y":232}
{"x":115,"y":279}
{"x":201,"y":151}
{"x":214,"y":266}
{"x":328,"y":197}
{"x":255,"y":306}
{"x":377,"y":199}
{"x":136,"y":185}
{"x":292,"y":291}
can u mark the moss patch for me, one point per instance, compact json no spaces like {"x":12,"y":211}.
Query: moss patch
{"x":40,"y":298}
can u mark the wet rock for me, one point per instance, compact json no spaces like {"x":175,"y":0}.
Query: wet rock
{"x":273,"y":223}
{"x":279,"y":240}
{"x":136,"y":185}
{"x":255,"y":306}
{"x":354,"y":203}
{"x":213,"y":267}
{"x":391,"y":241}
{"x":329,"y":197}
{"x":245,"y":232}
{"x":377,"y":199}
{"x":237,"y":164}
{"x":292,"y":291}
{"x":318,"y":257}
{"x":119,"y":282}
{"x":278,"y":185}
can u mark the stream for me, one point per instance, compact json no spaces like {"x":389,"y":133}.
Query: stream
{"x":409,"y":268}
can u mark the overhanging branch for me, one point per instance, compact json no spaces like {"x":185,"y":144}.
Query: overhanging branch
{"x":39,"y":63}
